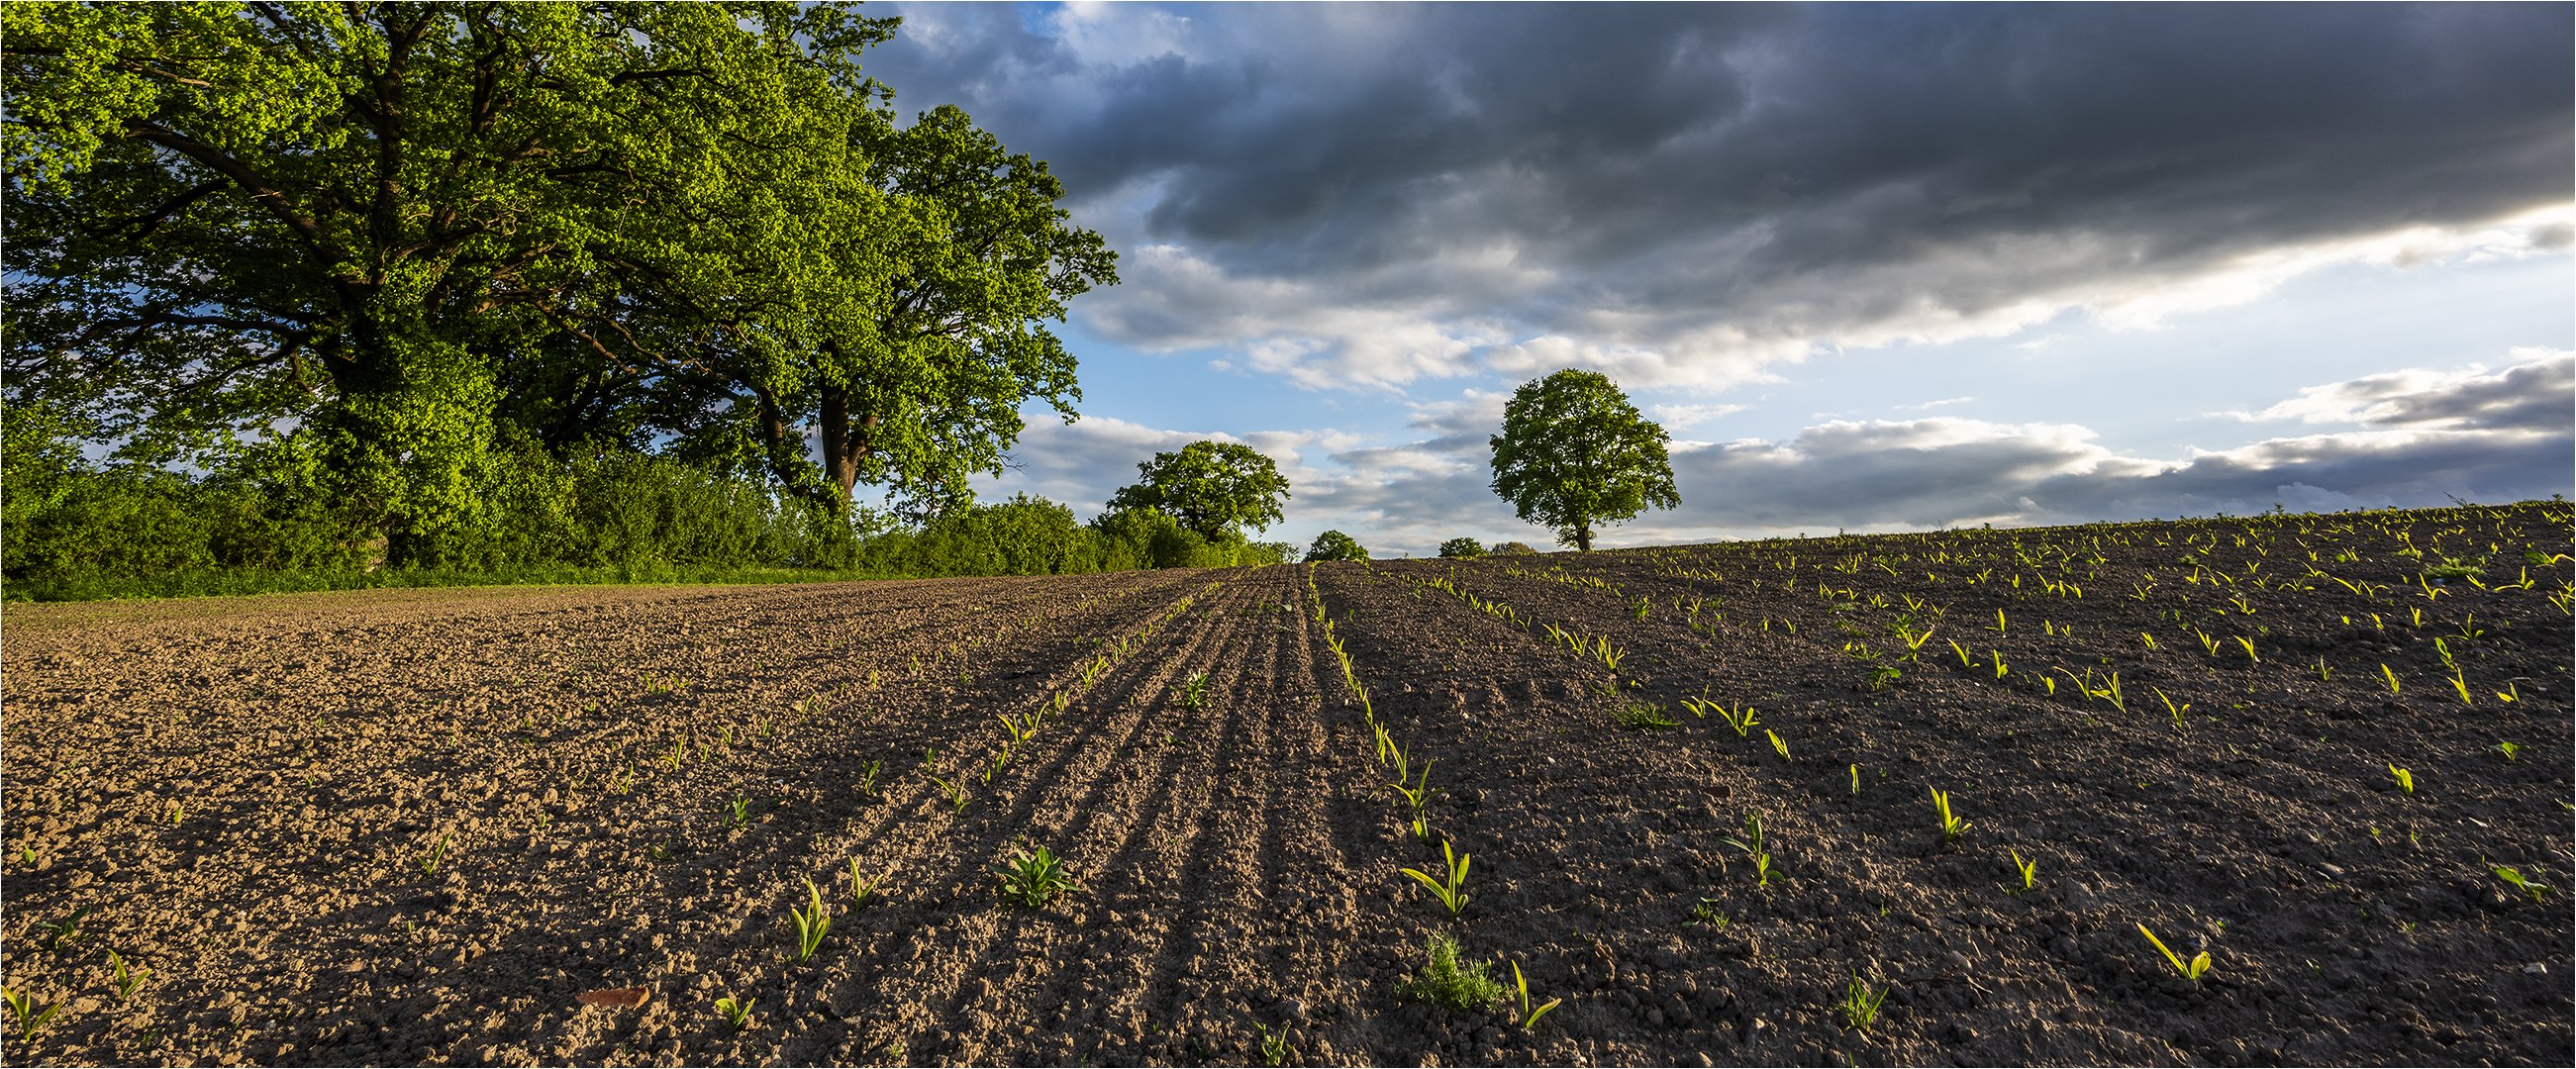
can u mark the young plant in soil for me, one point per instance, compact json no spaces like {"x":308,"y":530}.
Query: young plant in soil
{"x":1861,"y":1003}
{"x":811,"y":923}
{"x":861,"y":890}
{"x":125,"y":979}
{"x":2405,"y":778}
{"x":2191,"y":970}
{"x":1445,"y":983}
{"x":2027,"y":870}
{"x":1753,"y":848}
{"x":1951,"y":826}
{"x":1529,"y":1016}
{"x":1194,"y":692}
{"x":1451,"y":893}
{"x":29,"y":1015}
{"x":1033,"y":877}
{"x":2511,"y":875}
{"x":736,"y":1012}
{"x":1275,"y":1050}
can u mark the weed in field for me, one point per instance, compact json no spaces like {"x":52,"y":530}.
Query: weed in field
{"x":1445,"y":983}
{"x":1951,"y":826}
{"x":737,"y":1012}
{"x":1451,"y":888}
{"x":1645,"y":716}
{"x":1884,"y":676}
{"x":2191,"y":970}
{"x":31,"y":1015}
{"x":1860,"y":1003}
{"x":811,"y":923}
{"x":1033,"y":877}
{"x":1529,"y":1015}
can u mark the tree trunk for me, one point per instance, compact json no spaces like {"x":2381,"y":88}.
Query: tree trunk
{"x":1582,"y":537}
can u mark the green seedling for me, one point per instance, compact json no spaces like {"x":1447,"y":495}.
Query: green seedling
{"x":1951,"y":826}
{"x":2460,"y":686}
{"x":30,"y":1016}
{"x":1418,"y":794}
{"x":1707,"y":915}
{"x":740,"y":810}
{"x":1855,"y":780}
{"x":1194,"y":692}
{"x":811,"y":923}
{"x":2000,"y":670}
{"x":125,"y":979}
{"x":862,"y":889}
{"x":2509,"y":750}
{"x":1445,"y":983}
{"x":437,"y":855}
{"x":1965,"y":661}
{"x":1451,"y":892}
{"x":956,"y":794}
{"x":2150,"y":640}
{"x":2027,"y":870}
{"x":1884,"y":676}
{"x":1753,"y":847}
{"x":2171,"y":709}
{"x":1275,"y":1050}
{"x":2514,"y":876}
{"x":1778,"y":744}
{"x":1861,"y":1003}
{"x":2405,"y":779}
{"x":2191,"y":970}
{"x":1020,"y":728}
{"x":66,"y":930}
{"x":1529,"y":1016}
{"x":868,"y":776}
{"x":2391,"y":676}
{"x":737,"y":1012}
{"x":1033,"y":877}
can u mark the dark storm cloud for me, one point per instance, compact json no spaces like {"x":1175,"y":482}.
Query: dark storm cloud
{"x":1667,"y":167}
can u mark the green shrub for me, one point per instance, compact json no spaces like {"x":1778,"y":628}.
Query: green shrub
{"x":1462,"y":548}
{"x":1510,"y":549}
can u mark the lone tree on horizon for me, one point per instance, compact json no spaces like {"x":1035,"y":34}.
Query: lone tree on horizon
{"x":1213,"y":488}
{"x":1574,"y":453}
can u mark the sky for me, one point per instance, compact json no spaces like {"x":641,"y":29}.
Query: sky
{"x":1875,"y":268}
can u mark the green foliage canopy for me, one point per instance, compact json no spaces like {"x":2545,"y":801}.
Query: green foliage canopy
{"x":1334,"y":545}
{"x":1462,"y":549}
{"x":1574,"y":453}
{"x":1213,"y":488}
{"x":358,"y":238}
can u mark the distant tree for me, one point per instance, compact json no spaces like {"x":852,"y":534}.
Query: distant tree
{"x":1574,"y":453}
{"x":1213,"y":488}
{"x":1511,"y":549}
{"x":1334,"y":545}
{"x":1462,"y":548}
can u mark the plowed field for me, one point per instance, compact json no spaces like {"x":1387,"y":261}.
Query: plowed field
{"x":1697,"y":785}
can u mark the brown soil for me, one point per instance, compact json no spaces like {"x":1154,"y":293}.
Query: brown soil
{"x":421,"y":826}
